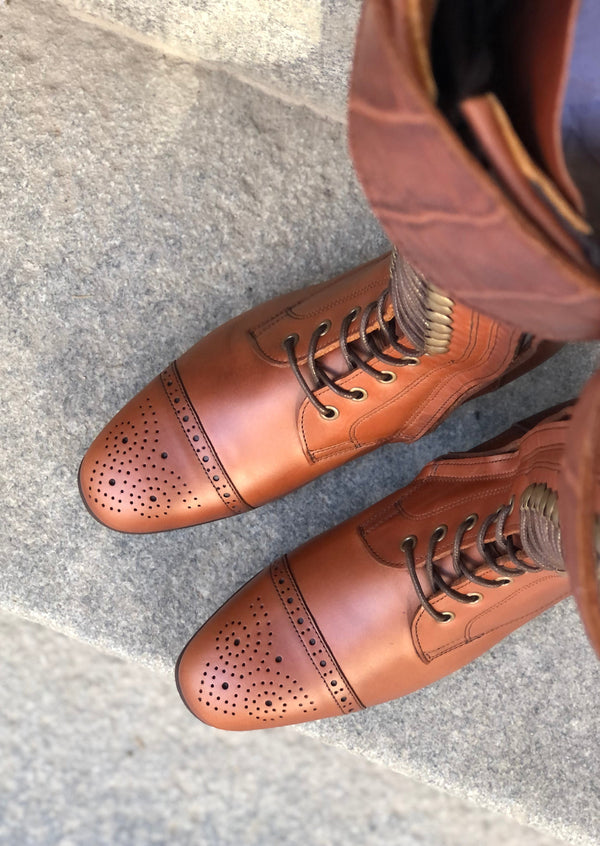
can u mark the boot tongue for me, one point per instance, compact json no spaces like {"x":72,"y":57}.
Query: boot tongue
{"x":423,"y":313}
{"x":540,"y":528}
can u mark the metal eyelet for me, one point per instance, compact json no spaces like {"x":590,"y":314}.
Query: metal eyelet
{"x":504,"y":580}
{"x":410,"y":540}
{"x":411,"y":361}
{"x":324,"y":327}
{"x":470,"y":521}
{"x":390,"y":377}
{"x":293,"y":337}
{"x":448,"y":616}
{"x":354,"y":313}
{"x":511,"y":504}
{"x":330,"y":413}
{"x":359,"y":394}
{"x":441,"y":531}
{"x":477,"y":597}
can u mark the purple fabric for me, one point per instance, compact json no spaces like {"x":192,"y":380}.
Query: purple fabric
{"x":581,"y":114}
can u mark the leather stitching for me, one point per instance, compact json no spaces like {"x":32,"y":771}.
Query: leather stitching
{"x":444,"y":548}
{"x":287,"y":313}
{"x":335,"y":681}
{"x":288,"y":310}
{"x":461,"y":393}
{"x":202,"y":448}
{"x":466,"y":638}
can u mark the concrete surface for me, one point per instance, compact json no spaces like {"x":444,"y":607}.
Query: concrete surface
{"x":97,"y":751}
{"x":144,"y":201}
{"x":300,"y":50}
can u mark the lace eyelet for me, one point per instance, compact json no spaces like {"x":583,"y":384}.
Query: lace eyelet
{"x":410,"y":540}
{"x":471,"y":521}
{"x":330,"y":413}
{"x":359,"y":394}
{"x":324,"y":327}
{"x":410,"y":361}
{"x":511,"y":505}
{"x":440,"y":532}
{"x":292,"y":337}
{"x":504,"y":580}
{"x":354,"y":313}
{"x":477,"y":597}
{"x":389,"y":375}
{"x":448,"y":616}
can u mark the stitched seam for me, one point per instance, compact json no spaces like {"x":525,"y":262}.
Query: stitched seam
{"x":287,"y":311}
{"x":463,"y":392}
{"x":460,"y":395}
{"x":506,"y":601}
{"x":437,"y":388}
{"x":398,"y":565}
{"x":397,"y":510}
{"x":287,"y":314}
{"x":172,"y":373}
{"x":429,"y":656}
{"x":344,"y":707}
{"x":432,"y":656}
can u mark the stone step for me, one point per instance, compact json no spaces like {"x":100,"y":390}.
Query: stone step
{"x":299,"y":50}
{"x":99,"y":751}
{"x":145,"y":200}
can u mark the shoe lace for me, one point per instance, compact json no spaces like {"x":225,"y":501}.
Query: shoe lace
{"x":373,"y":341}
{"x":502,"y":546}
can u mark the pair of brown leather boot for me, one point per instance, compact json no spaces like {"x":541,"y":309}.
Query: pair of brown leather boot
{"x":426,"y":580}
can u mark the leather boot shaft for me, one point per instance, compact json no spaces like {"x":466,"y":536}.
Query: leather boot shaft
{"x":468,"y":177}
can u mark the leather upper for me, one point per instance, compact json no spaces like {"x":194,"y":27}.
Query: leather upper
{"x":497,"y":221}
{"x":579,"y":494}
{"x":336,"y":625}
{"x":228,"y":427}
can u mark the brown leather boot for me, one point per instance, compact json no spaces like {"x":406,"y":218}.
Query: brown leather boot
{"x":455,"y":132}
{"x":460,"y":137}
{"x":580,"y":507}
{"x":404,"y":593}
{"x":292,"y":389}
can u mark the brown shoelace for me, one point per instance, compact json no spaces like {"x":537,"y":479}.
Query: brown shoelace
{"x":373,"y":342}
{"x":490,"y":551}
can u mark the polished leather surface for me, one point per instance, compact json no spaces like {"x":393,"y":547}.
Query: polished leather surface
{"x":478,"y":232}
{"x":336,"y":625}
{"x":579,"y":495}
{"x":227,"y":427}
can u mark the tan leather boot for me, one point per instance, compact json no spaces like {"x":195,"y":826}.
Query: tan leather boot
{"x":292,"y":389}
{"x":580,"y":507}
{"x":404,"y":593}
{"x":455,"y":131}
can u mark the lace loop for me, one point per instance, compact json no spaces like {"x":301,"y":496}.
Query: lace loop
{"x":490,"y":551}
{"x":373,"y":343}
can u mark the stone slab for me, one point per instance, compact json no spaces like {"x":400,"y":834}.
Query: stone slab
{"x":299,"y":50}
{"x":145,"y":200}
{"x":98,"y":752}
